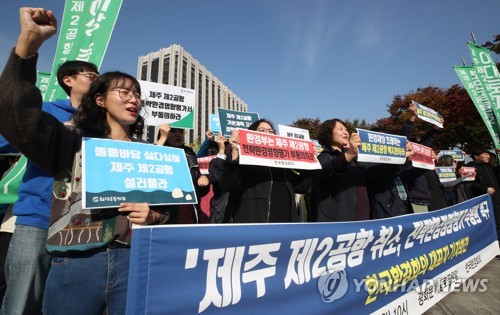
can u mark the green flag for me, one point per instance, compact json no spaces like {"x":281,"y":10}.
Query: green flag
{"x":470,"y":80}
{"x":42,"y":81}
{"x":10,"y":182}
{"x":84,"y":35}
{"x":488,"y":74}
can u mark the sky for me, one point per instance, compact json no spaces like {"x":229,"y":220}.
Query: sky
{"x":289,"y":59}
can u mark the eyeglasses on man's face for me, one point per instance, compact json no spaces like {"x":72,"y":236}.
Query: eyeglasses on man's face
{"x":127,"y":94}
{"x":89,"y":75}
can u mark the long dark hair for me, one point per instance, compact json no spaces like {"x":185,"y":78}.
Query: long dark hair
{"x":91,"y":118}
{"x":325,"y":131}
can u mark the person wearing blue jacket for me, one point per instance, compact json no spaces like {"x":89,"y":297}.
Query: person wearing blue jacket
{"x":28,"y":263}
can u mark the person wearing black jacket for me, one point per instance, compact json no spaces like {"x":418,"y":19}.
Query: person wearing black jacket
{"x":261,"y":194}
{"x":174,"y":137}
{"x":486,"y":181}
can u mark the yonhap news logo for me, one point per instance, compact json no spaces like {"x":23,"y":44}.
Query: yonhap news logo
{"x":332,"y":285}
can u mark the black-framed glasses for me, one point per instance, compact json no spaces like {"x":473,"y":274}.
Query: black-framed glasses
{"x":127,"y":94}
{"x":266,"y":130}
{"x":90,"y":75}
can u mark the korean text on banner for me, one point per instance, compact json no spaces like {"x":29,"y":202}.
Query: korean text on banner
{"x":231,"y":119}
{"x":133,"y":172}
{"x":380,"y":147}
{"x":428,"y":114}
{"x":488,"y":74}
{"x":264,"y":149}
{"x":457,"y":155}
{"x":293,"y":132}
{"x":214,"y":123}
{"x":84,"y":35}
{"x":169,"y":104}
{"x":42,"y":82}
{"x":204,"y":162}
{"x":422,"y":157}
{"x":371,"y":267}
{"x":470,"y":80}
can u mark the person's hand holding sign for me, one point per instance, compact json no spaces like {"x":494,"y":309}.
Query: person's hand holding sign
{"x":234,"y":140}
{"x":354,"y":143}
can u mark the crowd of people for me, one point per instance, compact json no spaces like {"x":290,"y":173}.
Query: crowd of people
{"x":47,"y":270}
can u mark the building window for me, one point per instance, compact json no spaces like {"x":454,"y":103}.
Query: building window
{"x":218,"y":96}
{"x":155,"y":67}
{"x":207,"y":82}
{"x":176,"y":64}
{"x":200,"y":92}
{"x":144,"y":71}
{"x":213,"y":97}
{"x":184,"y":72}
{"x":193,"y":76}
{"x":166,"y":69}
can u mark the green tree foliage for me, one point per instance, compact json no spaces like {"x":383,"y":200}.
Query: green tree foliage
{"x":494,"y":46}
{"x":356,"y":123}
{"x":463,"y":126}
{"x":310,"y":124}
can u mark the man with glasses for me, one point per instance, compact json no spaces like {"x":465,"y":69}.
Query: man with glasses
{"x":27,"y":263}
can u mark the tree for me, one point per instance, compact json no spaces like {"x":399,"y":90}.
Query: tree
{"x":310,"y":124}
{"x":463,"y":126}
{"x":494,"y":46}
{"x":356,"y":123}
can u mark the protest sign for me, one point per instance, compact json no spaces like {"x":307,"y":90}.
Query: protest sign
{"x":42,"y":82}
{"x":422,"y":157}
{"x":168,"y":104}
{"x":317,"y":146}
{"x":231,"y":119}
{"x":406,"y":263}
{"x":10,"y":182}
{"x":293,"y":132}
{"x":133,"y":172}
{"x":264,"y":149}
{"x":470,"y":80}
{"x":428,"y":114}
{"x":214,"y":123}
{"x":380,"y":147}
{"x":85,"y":31}
{"x":457,"y":155}
{"x":203,"y":163}
{"x":468,"y":172}
{"x":445,"y":173}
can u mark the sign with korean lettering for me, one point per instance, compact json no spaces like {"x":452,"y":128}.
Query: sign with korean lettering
{"x":117,"y":171}
{"x":422,"y":157}
{"x":469,"y":172}
{"x":488,"y":74}
{"x":42,"y":81}
{"x":457,"y":155}
{"x":264,"y":149}
{"x":231,"y":119}
{"x":293,"y":132}
{"x":214,"y":123}
{"x":446,"y":173}
{"x":203,"y":163}
{"x":405,"y":263}
{"x":428,"y":114}
{"x":169,"y":104}
{"x":380,"y":147}
{"x":84,"y":34}
{"x":470,"y":80}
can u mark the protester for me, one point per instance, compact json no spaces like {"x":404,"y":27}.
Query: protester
{"x":261,"y":194}
{"x":207,"y":144}
{"x":339,"y":190}
{"x":28,"y":263}
{"x":414,"y":178}
{"x":486,"y":181}
{"x":219,"y":200}
{"x":436,"y":188}
{"x":78,"y":282}
{"x":186,"y":214}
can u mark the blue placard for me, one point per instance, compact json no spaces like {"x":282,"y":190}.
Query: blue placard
{"x":214,"y":123}
{"x":457,"y":155}
{"x":118,"y":171}
{"x":304,"y":268}
{"x":231,"y":119}
{"x":380,"y":147}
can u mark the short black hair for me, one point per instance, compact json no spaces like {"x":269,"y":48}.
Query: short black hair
{"x":73,"y":67}
{"x":256,"y":124}
{"x":325,"y":131}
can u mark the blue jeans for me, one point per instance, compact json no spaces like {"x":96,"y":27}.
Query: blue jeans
{"x":26,"y":269}
{"x":93,"y":282}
